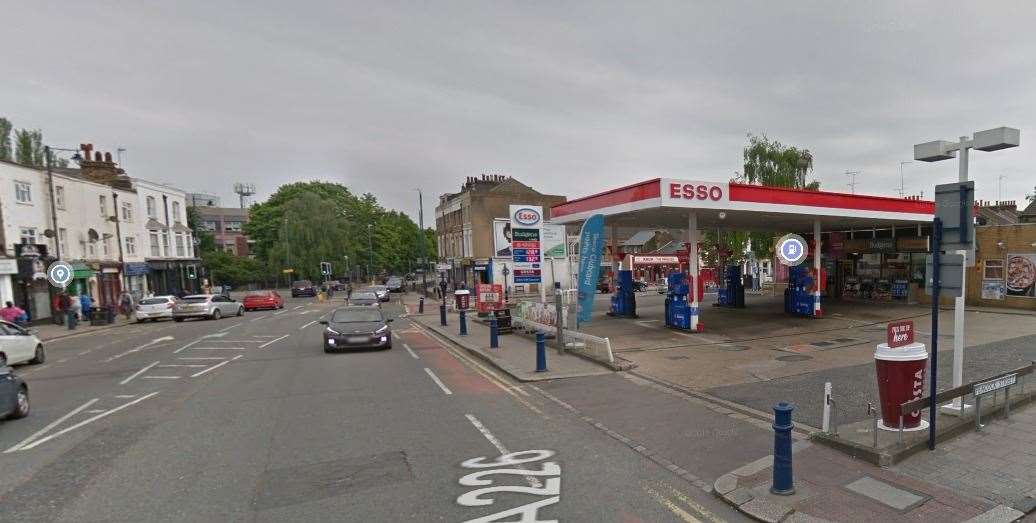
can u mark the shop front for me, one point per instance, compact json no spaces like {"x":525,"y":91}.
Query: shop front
{"x":109,"y":284}
{"x":82,"y":275}
{"x":30,"y":290}
{"x":171,"y":277}
{"x":878,"y":269}
{"x":8,"y":271}
{"x":136,"y":278}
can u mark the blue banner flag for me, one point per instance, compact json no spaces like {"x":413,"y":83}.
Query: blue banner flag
{"x":591,"y":245}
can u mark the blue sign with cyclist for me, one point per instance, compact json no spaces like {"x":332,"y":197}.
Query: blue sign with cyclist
{"x":791,"y":249}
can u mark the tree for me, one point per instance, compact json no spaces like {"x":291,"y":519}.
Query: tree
{"x":29,"y":147}
{"x":206,"y":240}
{"x":6,"y":150}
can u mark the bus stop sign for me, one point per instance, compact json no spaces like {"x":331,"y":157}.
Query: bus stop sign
{"x":953,"y":205}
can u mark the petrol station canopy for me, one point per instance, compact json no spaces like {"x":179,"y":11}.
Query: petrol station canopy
{"x":665,"y":202}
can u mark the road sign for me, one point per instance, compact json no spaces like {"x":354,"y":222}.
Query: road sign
{"x":287,"y":271}
{"x":994,"y":385}
{"x":951,"y":274}
{"x":900,"y":333}
{"x":791,"y":249}
{"x":954,"y":204}
{"x":59,"y":274}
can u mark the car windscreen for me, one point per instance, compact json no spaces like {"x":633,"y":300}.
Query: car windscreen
{"x":364,"y":296}
{"x":154,"y":301}
{"x":356,"y":315}
{"x":302,"y":283}
{"x":195,"y":299}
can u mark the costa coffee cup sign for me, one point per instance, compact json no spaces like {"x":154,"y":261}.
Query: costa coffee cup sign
{"x":900,"y":333}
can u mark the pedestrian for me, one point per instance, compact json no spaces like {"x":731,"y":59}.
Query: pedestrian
{"x":87,"y":305}
{"x":76,"y":308}
{"x":349,"y":291}
{"x":65,"y":306}
{"x":10,"y":313}
{"x":126,"y":304}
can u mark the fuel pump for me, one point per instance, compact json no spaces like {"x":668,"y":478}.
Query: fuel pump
{"x":798,"y":297}
{"x":677,"y":306}
{"x":624,"y":302}
{"x":733,"y":293}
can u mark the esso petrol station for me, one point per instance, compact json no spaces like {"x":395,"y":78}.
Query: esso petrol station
{"x":693,"y":206}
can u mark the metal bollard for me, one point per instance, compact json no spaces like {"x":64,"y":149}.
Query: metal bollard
{"x":420,"y":305}
{"x":873,"y":413}
{"x":463,"y":323}
{"x":494,"y":334}
{"x":541,"y":353}
{"x":783,"y":483}
{"x":442,"y":315}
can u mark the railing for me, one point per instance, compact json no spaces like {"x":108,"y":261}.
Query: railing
{"x":593,"y":347}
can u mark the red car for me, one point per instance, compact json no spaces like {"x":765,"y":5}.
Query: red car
{"x":263,"y":300}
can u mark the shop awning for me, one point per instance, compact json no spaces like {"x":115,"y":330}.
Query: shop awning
{"x":81,"y":270}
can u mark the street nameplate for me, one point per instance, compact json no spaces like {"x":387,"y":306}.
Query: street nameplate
{"x":994,"y":385}
{"x":900,"y":333}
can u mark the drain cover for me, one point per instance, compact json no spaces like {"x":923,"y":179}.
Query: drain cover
{"x":794,"y":357}
{"x":733,"y":348}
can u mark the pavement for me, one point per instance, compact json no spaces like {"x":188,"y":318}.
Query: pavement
{"x":50,"y":331}
{"x":247,"y":419}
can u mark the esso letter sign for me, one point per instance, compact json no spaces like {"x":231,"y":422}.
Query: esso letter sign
{"x":694,"y":191}
{"x":527,"y":216}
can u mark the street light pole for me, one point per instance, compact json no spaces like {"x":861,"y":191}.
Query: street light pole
{"x":370,"y":251}
{"x":902,"y":188}
{"x":423,"y":247}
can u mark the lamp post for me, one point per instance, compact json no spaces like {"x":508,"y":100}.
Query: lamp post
{"x":421,"y":245}
{"x":988,"y":140}
{"x":902,"y":188}
{"x":370,"y":251}
{"x":505,"y":271}
{"x":346,"y":258}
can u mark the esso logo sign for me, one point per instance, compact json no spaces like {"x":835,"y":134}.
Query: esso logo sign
{"x":527,"y":216}
{"x":695,"y":191}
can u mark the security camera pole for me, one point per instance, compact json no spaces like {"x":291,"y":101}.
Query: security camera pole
{"x":989,"y":140}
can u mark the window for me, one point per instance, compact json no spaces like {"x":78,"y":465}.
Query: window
{"x":229,"y":248}
{"x":190,"y":245}
{"x":234,"y":226}
{"x":63,"y":242}
{"x":103,"y":201}
{"x":150,"y":206}
{"x":127,"y":212}
{"x":209,"y":225}
{"x":28,"y":234}
{"x":131,"y":246}
{"x":91,"y":249}
{"x":176,"y":211}
{"x":23,"y":192}
{"x":154,"y":244}
{"x":180,"y":246}
{"x":59,"y":197}
{"x":165,"y":244}
{"x":107,"y":246}
{"x":993,"y":270}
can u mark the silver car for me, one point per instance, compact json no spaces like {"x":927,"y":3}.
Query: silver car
{"x":155,"y":308}
{"x":206,"y":306}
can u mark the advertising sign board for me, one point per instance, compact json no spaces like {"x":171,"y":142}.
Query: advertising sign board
{"x":1021,"y":275}
{"x":900,"y":333}
{"x":489,"y":297}
{"x":552,"y":238}
{"x":591,"y":245}
{"x":526,"y":251}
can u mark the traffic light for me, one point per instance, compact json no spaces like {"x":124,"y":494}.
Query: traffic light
{"x":325,"y":268}
{"x":192,"y":272}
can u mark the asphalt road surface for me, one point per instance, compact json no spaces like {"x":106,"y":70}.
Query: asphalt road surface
{"x":247,"y":419}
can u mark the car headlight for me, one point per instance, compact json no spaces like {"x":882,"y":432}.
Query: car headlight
{"x":382,"y":330}
{"x":332,"y":331}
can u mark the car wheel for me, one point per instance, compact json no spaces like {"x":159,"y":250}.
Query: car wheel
{"x":39,"y":357}
{"x":21,"y":404}
{"x":3,"y":360}
{"x":216,"y":314}
{"x":240,"y":311}
{"x":177,"y":320}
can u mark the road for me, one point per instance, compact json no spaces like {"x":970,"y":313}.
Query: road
{"x":247,"y":419}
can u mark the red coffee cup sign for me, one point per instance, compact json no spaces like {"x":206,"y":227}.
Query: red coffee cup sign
{"x":900,"y":333}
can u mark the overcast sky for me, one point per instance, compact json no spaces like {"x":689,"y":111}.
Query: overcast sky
{"x":571,"y":98}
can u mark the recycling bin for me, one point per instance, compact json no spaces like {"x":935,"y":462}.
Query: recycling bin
{"x":901,"y":373}
{"x":463,"y":298}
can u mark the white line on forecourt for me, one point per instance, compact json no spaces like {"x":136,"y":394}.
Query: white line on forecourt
{"x":438,"y":381}
{"x":271,"y":342}
{"x":86,"y":421}
{"x":138,"y":373}
{"x":51,"y":425}
{"x":411,"y":351}
{"x":216,"y":366}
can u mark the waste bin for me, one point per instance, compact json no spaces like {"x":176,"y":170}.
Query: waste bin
{"x":901,"y":372}
{"x":463,"y":298}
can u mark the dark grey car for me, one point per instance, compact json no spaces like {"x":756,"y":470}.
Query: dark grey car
{"x":14,"y":395}
{"x":367,"y":299}
{"x":357,"y":327}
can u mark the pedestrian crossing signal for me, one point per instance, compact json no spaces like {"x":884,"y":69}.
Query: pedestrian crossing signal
{"x":192,"y":272}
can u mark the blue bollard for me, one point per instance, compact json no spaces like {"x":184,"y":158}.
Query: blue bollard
{"x":442,"y":315}
{"x":783,"y":484}
{"x":420,"y":305}
{"x":494,"y":338}
{"x":463,"y":324}
{"x":541,"y":353}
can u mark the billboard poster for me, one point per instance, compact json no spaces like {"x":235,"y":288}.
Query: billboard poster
{"x":993,"y":289}
{"x":591,"y":245}
{"x":526,"y":252}
{"x":489,"y":297}
{"x":1021,"y":275}
{"x":502,"y":237}
{"x":553,"y":241}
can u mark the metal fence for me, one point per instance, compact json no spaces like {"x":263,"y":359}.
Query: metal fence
{"x":593,"y":347}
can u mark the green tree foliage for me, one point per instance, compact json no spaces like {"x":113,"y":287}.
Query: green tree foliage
{"x":226,"y":268}
{"x":206,"y":240}
{"x":28,"y":147}
{"x":6,"y":150}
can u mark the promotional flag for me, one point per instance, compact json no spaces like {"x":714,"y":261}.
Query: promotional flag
{"x":591,"y":245}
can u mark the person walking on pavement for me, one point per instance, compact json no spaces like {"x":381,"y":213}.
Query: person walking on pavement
{"x":349,"y":291}
{"x":126,"y":304}
{"x":76,"y":308}
{"x":65,"y":307}
{"x":10,"y":313}
{"x":87,"y":305}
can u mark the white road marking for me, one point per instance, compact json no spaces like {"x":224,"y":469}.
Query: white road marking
{"x":531,"y":480}
{"x":307,"y":325}
{"x":51,"y":425}
{"x":263,"y":346}
{"x":138,"y":373}
{"x":189,"y":345}
{"x":62,"y":360}
{"x":281,"y":312}
{"x":219,"y":348}
{"x":233,"y":341}
{"x":86,"y":421}
{"x":93,"y":411}
{"x":215,"y":335}
{"x":411,"y":351}
{"x":203,"y":358}
{"x":125,"y":396}
{"x":224,"y":329}
{"x":214,"y":367}
{"x":264,"y":336}
{"x":438,"y":381}
{"x":298,"y":307}
{"x":182,"y":365}
{"x":88,"y":351}
{"x":307,"y":311}
{"x":253,"y":320}
{"x":151,"y":343}
{"x":160,"y":377}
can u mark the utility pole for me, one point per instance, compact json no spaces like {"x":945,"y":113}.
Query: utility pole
{"x":370,"y":251}
{"x":852,"y":180}
{"x":423,"y":247}
{"x":1000,"y":188}
{"x":902,"y":189}
{"x":53,"y":207}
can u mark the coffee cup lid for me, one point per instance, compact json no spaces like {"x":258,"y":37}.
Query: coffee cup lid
{"x":912,"y":352}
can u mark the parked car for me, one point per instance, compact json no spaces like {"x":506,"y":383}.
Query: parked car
{"x":19,"y":345}
{"x":206,"y":306}
{"x":381,"y":290}
{"x":365,"y":298}
{"x":256,"y":300}
{"x":155,"y":308}
{"x":14,"y":395}
{"x":303,"y":288}
{"x":395,"y":284}
{"x":335,"y":285}
{"x":223,"y":290}
{"x":357,"y":327}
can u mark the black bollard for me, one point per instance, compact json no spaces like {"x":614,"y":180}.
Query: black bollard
{"x":442,"y":315}
{"x":420,"y":305}
{"x":463,"y":323}
{"x":541,"y":353}
{"x":783,"y":483}
{"x":494,"y":338}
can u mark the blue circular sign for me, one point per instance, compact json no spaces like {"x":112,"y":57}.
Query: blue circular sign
{"x":60,"y":274}
{"x":791,"y":249}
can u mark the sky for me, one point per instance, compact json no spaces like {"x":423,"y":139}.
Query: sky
{"x":571,"y":98}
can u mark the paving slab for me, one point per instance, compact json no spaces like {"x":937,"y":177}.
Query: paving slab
{"x":886,"y":493}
